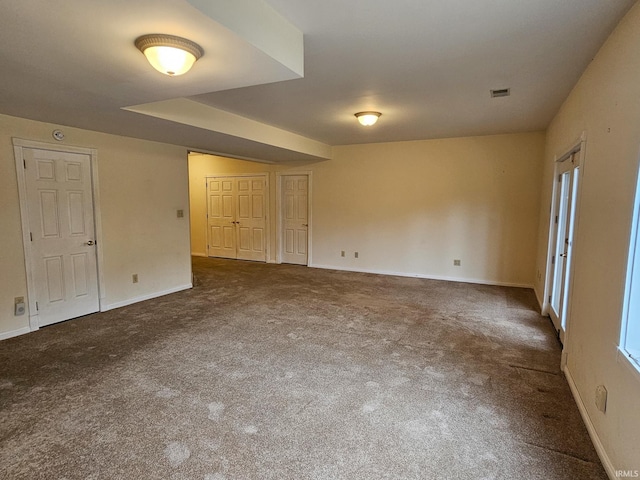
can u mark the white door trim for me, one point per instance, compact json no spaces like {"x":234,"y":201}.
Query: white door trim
{"x":279,"y":179}
{"x":267,"y":199}
{"x":18,"y":146}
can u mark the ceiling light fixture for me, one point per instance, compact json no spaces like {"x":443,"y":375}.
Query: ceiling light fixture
{"x":169,"y":54}
{"x":367,"y":118}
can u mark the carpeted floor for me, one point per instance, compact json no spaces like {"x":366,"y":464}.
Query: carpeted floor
{"x":285,"y":372}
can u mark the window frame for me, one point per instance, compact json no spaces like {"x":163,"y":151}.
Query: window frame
{"x":629,"y":349}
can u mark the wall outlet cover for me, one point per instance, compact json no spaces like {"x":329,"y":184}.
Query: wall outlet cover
{"x":601,"y":398}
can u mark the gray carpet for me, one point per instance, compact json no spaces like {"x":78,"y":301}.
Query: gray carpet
{"x":285,"y":372}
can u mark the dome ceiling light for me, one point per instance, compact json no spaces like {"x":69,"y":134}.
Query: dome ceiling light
{"x":169,"y":54}
{"x":367,"y":118}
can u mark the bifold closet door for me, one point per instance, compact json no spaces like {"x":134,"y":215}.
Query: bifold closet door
{"x":251,"y":219}
{"x":221,"y":210}
{"x":236,"y":217}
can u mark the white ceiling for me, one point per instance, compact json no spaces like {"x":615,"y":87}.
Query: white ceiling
{"x":426,"y":65}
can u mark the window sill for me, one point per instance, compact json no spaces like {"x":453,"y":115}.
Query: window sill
{"x":630,"y":365}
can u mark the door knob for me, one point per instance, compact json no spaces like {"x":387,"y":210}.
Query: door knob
{"x":563,"y":254}
{"x":90,"y":242}
{"x":305,"y":224}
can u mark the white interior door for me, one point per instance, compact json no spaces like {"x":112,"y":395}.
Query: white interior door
{"x":62,"y":230}
{"x":221,"y":212}
{"x":564,"y":217}
{"x":236,"y":217}
{"x":251,"y":218}
{"x":295,"y":219}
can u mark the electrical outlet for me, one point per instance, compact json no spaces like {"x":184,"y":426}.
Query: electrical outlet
{"x":19,"y":306}
{"x":456,"y":263}
{"x":601,"y":398}
{"x":342,"y":253}
{"x":134,"y":278}
{"x":355,"y":254}
{"x":180,"y":213}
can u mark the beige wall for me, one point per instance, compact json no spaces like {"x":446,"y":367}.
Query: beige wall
{"x":414,"y":207}
{"x":606,"y":105}
{"x":411,"y":208}
{"x":141,"y":185}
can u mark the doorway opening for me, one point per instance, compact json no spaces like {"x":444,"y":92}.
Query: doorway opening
{"x":242,"y":209}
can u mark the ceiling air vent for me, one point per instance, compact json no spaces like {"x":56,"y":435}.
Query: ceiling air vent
{"x":502,"y":92}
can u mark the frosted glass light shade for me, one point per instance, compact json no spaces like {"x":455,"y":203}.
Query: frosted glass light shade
{"x":168,"y":54}
{"x":367,"y":118}
{"x":170,"y":60}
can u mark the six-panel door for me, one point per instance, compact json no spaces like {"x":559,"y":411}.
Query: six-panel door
{"x":295,"y":219}
{"x":61,"y":222}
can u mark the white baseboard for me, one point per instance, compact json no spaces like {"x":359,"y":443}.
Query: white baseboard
{"x":420,"y":275}
{"x":130,"y":301}
{"x":14,"y":333}
{"x":198,"y":254}
{"x":602,"y":453}
{"x":538,"y":298}
{"x":104,"y":308}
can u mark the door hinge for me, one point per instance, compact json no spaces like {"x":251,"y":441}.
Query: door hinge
{"x":37,"y":307}
{"x":24,"y":162}
{"x":549,"y":298}
{"x":560,"y":178}
{"x":556,"y":219}
{"x":553,"y":260}
{"x":31,"y":236}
